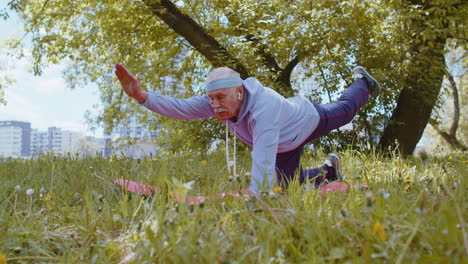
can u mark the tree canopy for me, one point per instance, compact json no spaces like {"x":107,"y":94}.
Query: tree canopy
{"x":173,"y":45}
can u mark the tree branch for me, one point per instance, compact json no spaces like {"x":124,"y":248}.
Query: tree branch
{"x":267,"y":58}
{"x":452,"y":140}
{"x":196,"y":35}
{"x":286,"y":72}
{"x":456,"y":105}
{"x":209,"y":47}
{"x":281,"y":76}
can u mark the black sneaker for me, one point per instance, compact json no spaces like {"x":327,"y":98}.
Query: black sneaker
{"x":334,"y":162}
{"x":374,"y":86}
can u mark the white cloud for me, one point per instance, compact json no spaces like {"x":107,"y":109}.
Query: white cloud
{"x":49,"y":83}
{"x":49,"y":86}
{"x":20,"y":108}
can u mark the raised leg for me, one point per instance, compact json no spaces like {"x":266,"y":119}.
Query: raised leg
{"x":341,"y":112}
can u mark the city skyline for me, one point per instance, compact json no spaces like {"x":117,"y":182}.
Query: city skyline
{"x":21,"y":139}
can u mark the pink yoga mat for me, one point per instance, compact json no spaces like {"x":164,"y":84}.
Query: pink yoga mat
{"x":147,"y":190}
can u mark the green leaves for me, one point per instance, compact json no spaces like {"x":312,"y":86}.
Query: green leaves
{"x":282,"y":43}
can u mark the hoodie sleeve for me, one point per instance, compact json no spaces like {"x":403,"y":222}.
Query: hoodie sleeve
{"x":191,"y":108}
{"x":266,"y":124}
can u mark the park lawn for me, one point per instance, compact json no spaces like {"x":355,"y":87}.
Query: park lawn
{"x":66,"y":210}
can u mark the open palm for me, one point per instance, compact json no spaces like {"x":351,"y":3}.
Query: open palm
{"x":129,"y":83}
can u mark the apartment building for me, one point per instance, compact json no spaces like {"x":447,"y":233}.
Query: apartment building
{"x":15,"y":139}
{"x":55,"y":139}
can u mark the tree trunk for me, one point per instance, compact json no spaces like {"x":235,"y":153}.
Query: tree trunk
{"x":415,"y":104}
{"x":421,"y":89}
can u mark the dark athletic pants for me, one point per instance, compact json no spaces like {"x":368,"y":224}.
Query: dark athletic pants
{"x":332,"y":116}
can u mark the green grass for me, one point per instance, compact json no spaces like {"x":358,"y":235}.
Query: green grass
{"x":413,"y":212}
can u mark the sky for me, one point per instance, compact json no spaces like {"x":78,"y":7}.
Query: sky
{"x":44,"y":100}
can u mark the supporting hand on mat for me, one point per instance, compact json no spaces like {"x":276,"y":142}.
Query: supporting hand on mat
{"x":130,"y":84}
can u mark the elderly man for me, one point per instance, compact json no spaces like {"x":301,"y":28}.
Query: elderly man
{"x":275,"y":127}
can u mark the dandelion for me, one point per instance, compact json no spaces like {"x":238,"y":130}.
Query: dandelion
{"x":379,"y":230}
{"x":408,"y":181}
{"x":204,"y":162}
{"x":379,"y":163}
{"x":29,"y":192}
{"x":407,"y":187}
{"x":384,"y":193}
{"x":278,"y":189}
{"x":449,"y":158}
{"x":17,"y":188}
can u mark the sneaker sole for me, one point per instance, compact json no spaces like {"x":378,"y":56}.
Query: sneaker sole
{"x":373,"y":83}
{"x":335,"y":160}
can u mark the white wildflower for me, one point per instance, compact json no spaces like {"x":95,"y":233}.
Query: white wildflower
{"x":154,"y":226}
{"x":384,"y":193}
{"x":29,"y":192}
{"x":273,"y":194}
{"x":17,"y":188}
{"x":188,"y":185}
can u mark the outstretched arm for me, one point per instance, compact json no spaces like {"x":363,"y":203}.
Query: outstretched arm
{"x":130,"y":84}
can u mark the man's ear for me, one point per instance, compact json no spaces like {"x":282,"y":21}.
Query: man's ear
{"x":240,"y":91}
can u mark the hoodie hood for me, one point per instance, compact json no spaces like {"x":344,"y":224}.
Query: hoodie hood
{"x":251,"y":87}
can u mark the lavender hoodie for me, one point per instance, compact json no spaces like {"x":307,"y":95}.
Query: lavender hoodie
{"x":267,"y":122}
